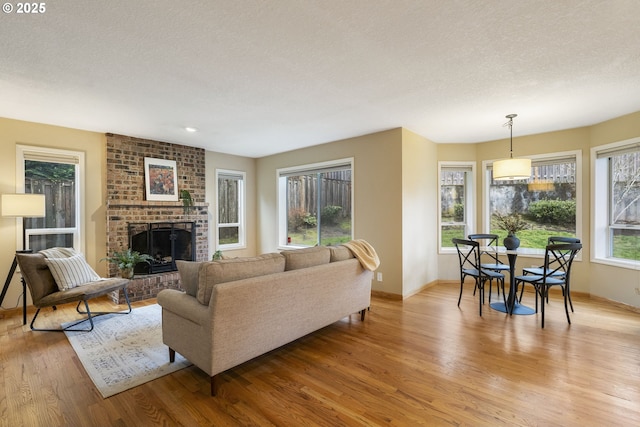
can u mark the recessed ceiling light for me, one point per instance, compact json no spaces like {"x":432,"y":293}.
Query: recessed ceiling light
{"x":190,"y":129}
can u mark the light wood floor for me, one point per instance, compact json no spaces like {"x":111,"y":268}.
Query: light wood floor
{"x":423,"y":361}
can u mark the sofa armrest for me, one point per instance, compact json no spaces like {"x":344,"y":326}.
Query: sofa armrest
{"x":184,"y":305}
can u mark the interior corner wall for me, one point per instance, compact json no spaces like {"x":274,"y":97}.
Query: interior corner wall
{"x":93,"y":144}
{"x":377,"y":184}
{"x":214,"y":161}
{"x":419,"y":212}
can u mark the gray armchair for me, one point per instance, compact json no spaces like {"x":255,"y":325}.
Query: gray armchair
{"x":45,"y":293}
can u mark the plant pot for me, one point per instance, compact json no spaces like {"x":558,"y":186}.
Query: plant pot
{"x":511,"y":242}
{"x":127,"y":273}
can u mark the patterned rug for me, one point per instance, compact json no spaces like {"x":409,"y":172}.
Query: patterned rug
{"x":124,"y":351}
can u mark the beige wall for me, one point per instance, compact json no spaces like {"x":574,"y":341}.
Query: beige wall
{"x":377,"y":184}
{"x":614,"y":283}
{"x":93,"y":144}
{"x":395,"y":197}
{"x":420,"y":192}
{"x":216,"y":161}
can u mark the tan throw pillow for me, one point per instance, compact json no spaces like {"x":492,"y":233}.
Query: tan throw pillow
{"x":340,"y":253}
{"x":71,"y":271}
{"x":228,"y":270}
{"x":308,"y":257}
{"x":189,"y":276}
{"x":58,"y":252}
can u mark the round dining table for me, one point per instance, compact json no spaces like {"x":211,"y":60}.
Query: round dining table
{"x":512,"y":306}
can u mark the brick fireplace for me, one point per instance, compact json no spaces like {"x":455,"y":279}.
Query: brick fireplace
{"x":126,"y":203}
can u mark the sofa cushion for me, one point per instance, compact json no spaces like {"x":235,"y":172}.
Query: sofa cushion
{"x":71,"y":271}
{"x":189,"y":275}
{"x":340,"y":253}
{"x":211,"y":273}
{"x":308,"y":257}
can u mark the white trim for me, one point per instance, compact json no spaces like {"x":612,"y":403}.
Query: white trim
{"x":281,"y":218}
{"x":56,"y":157}
{"x":470,"y":201}
{"x":242,"y":224}
{"x":577,"y":154}
{"x":601,"y":204}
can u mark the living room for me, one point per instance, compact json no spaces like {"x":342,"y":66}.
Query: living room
{"x":395,"y":177}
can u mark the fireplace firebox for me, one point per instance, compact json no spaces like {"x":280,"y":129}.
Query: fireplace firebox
{"x":166,"y":242}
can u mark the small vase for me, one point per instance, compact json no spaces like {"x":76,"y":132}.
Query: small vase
{"x":126,"y":273}
{"x":511,"y":242}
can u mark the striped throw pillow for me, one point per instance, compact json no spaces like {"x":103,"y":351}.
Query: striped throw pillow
{"x":71,"y":271}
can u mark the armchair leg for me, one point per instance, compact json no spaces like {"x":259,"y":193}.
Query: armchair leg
{"x":213,"y":385}
{"x":172,"y":355}
{"x":89,"y":317}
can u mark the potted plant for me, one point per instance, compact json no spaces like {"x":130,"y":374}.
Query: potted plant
{"x":217,"y":255}
{"x":511,"y":223}
{"x":127,"y":260}
{"x":187,"y":201}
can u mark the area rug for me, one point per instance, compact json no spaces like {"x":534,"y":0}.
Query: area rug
{"x":124,"y":351}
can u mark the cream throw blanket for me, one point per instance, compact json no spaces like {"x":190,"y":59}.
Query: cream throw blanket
{"x":365,"y":253}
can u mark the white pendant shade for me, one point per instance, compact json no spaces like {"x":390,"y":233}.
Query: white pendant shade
{"x":512,"y":169}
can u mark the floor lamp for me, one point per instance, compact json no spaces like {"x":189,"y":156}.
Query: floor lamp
{"x":21,"y":206}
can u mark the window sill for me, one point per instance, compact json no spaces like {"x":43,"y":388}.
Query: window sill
{"x":615,"y":262}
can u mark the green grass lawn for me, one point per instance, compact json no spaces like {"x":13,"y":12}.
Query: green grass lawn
{"x":331,"y":235}
{"x":625,"y":247}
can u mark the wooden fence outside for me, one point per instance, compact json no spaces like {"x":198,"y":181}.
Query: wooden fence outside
{"x":335,"y":188}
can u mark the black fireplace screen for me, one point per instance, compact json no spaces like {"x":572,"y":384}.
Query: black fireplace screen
{"x":166,"y":242}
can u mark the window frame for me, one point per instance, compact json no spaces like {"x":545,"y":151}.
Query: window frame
{"x":242,"y":200}
{"x":601,"y":204}
{"x":282,"y":173}
{"x":470,"y":200}
{"x":486,"y":183}
{"x":52,"y":155}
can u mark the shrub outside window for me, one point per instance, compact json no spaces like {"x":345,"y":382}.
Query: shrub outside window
{"x":547,"y":201}
{"x":316,"y":204}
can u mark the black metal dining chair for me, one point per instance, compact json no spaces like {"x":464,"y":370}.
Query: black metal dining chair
{"x":491,"y":257}
{"x":469,"y":258}
{"x":556,"y":271}
{"x":539,"y":270}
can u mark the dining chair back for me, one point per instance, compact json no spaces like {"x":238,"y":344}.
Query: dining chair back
{"x":469,"y":259}
{"x":489,"y":258}
{"x":539,"y":270}
{"x":489,"y":240}
{"x":556,"y":271}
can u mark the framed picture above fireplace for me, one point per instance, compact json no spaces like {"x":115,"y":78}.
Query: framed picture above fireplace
{"x":161,"y":179}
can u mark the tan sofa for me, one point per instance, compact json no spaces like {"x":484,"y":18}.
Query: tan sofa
{"x":237,"y":309}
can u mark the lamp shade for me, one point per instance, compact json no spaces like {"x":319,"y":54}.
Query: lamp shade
{"x":23,"y":205}
{"x":512,"y":169}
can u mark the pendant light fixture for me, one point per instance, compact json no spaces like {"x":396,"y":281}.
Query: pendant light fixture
{"x":511,"y":169}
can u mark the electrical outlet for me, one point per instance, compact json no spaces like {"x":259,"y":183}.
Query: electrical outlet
{"x":379,"y":277}
{"x":637,"y":291}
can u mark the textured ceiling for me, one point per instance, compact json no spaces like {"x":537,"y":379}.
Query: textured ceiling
{"x":261,"y":77}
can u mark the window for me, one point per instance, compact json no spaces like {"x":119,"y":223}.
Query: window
{"x":58,"y":175}
{"x":616,"y":175}
{"x":547,"y":201}
{"x":315,"y":204}
{"x":231,"y":202}
{"x":457,"y":207}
